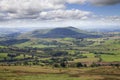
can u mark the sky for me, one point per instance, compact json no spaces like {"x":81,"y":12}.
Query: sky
{"x":60,"y":13}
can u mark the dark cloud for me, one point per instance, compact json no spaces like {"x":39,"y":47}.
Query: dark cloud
{"x":104,"y":2}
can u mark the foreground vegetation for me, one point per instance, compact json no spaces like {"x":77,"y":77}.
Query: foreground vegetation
{"x":49,"y":73}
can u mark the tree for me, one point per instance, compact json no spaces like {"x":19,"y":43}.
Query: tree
{"x":5,"y":58}
{"x":25,"y":63}
{"x":94,"y":65}
{"x":100,"y":59}
{"x":24,"y":55}
{"x":117,"y":65}
{"x":56,"y":65}
{"x":63,"y":64}
{"x":79,"y":64}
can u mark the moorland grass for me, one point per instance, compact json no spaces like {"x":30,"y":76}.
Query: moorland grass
{"x":48,"y":73}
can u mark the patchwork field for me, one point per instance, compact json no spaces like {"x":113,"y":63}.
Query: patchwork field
{"x":60,"y":59}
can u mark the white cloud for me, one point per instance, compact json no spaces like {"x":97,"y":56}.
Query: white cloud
{"x":30,"y":9}
{"x":27,"y":8}
{"x":64,"y":14}
{"x":75,"y":1}
{"x":17,"y":5}
{"x":47,"y":15}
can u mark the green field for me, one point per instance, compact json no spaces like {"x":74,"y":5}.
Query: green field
{"x":110,"y":58}
{"x":3,"y":55}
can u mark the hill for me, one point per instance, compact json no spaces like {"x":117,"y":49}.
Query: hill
{"x":60,"y":33}
{"x":13,"y":32}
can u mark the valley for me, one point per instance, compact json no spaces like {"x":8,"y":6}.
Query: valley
{"x":70,"y":57}
{"x":59,"y":39}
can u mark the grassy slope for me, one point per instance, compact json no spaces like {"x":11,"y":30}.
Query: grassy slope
{"x":110,"y":58}
{"x":3,"y":55}
{"x":47,"y":73}
{"x":90,"y":58}
{"x":114,"y":46}
{"x":108,"y":44}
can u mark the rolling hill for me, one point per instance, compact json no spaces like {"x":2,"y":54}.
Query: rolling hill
{"x":59,"y":33}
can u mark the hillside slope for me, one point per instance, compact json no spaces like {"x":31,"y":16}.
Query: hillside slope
{"x":60,"y":33}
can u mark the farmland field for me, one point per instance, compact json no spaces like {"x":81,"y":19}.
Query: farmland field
{"x":60,"y":59}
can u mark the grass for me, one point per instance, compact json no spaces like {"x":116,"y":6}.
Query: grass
{"x":112,"y":44}
{"x":3,"y":55}
{"x":89,"y":55}
{"x":110,"y":58}
{"x":47,"y":77}
{"x":2,"y":46}
{"x":43,"y":46}
{"x":90,"y":58}
{"x":86,"y":60}
{"x":21,"y":56}
{"x":48,"y":73}
{"x":23,"y":44}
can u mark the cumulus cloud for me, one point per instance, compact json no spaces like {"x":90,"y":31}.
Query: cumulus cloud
{"x":16,"y":5}
{"x":26,"y":8}
{"x":49,"y":15}
{"x":75,"y":1}
{"x":104,"y":2}
{"x":64,"y":14}
{"x":40,"y":9}
{"x":51,"y":10}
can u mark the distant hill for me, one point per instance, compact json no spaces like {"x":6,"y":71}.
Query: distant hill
{"x":106,"y":30}
{"x":60,"y":33}
{"x":13,"y":32}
